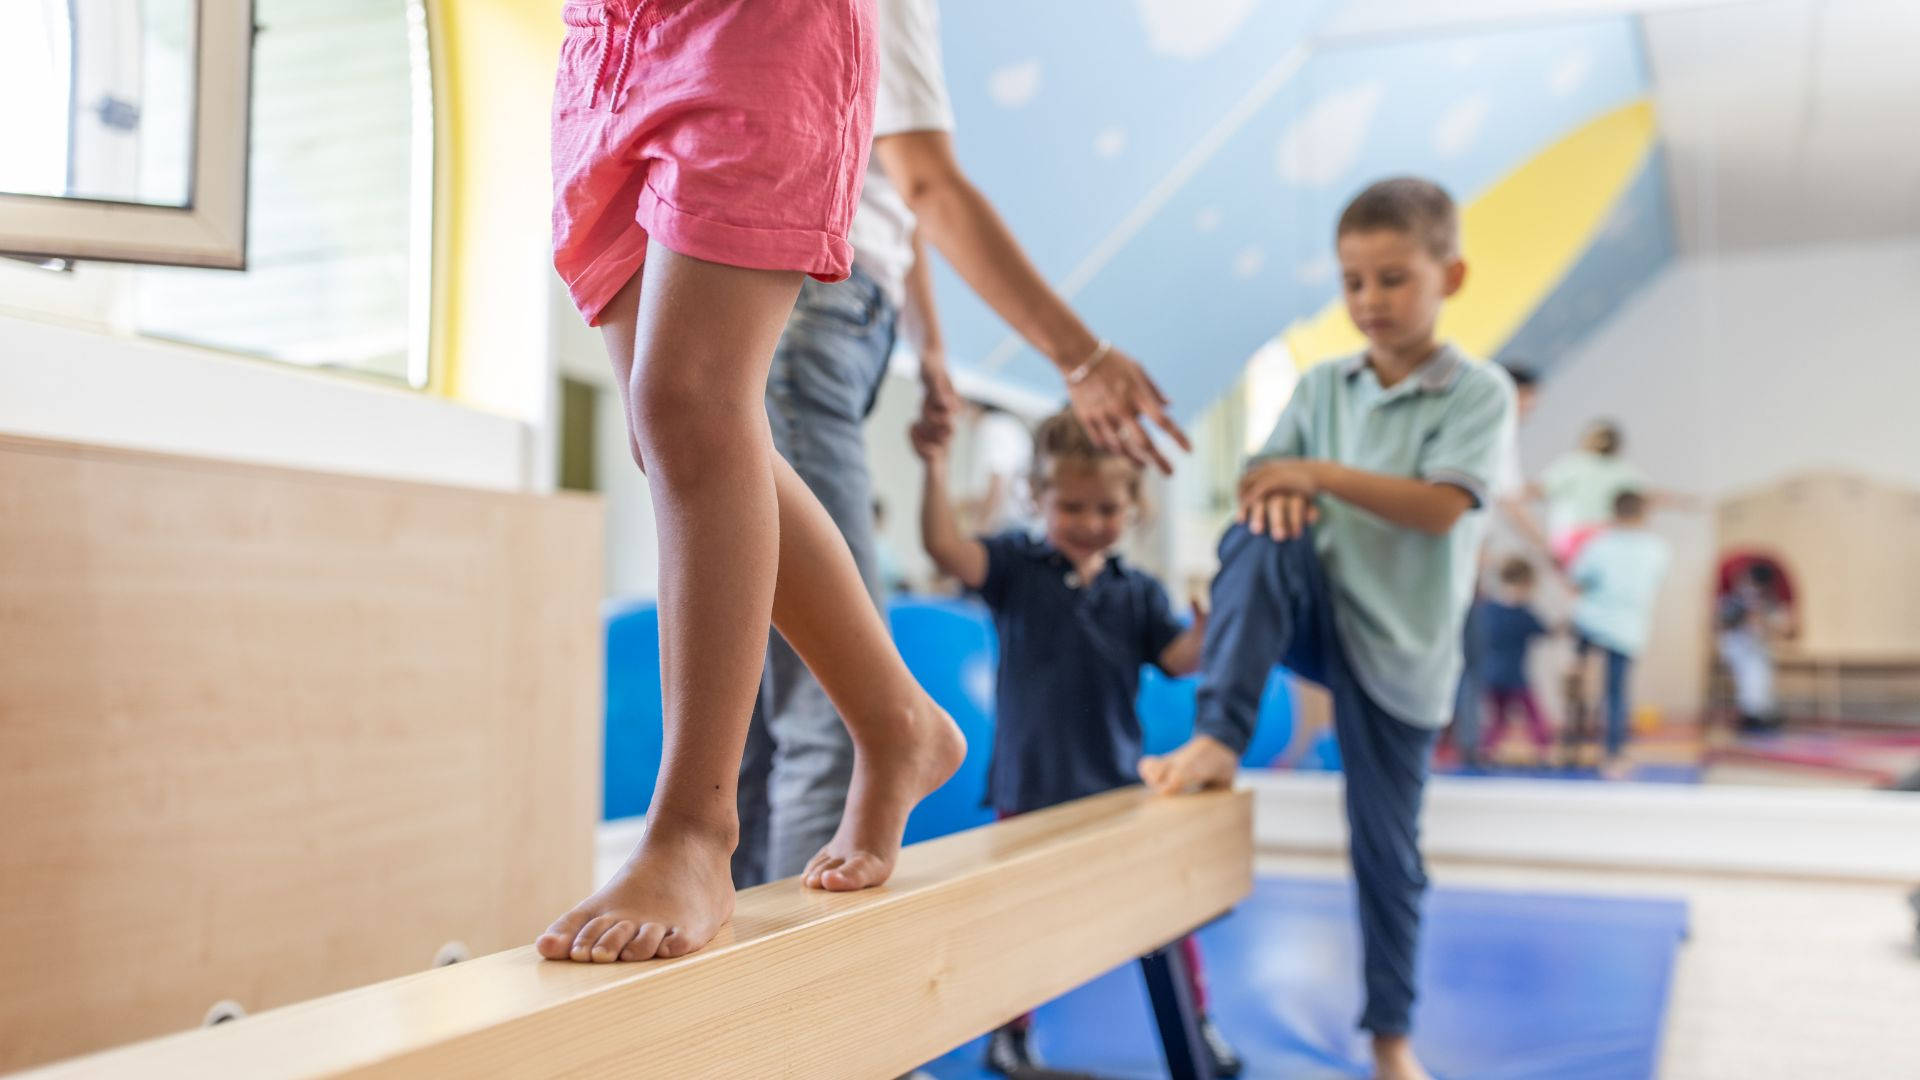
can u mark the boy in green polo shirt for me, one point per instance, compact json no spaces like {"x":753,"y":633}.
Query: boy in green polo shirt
{"x":1352,"y":561}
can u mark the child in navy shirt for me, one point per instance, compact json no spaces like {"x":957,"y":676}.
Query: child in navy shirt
{"x":1075,"y":625}
{"x":1504,"y":627}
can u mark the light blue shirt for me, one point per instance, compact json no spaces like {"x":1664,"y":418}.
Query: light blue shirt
{"x":1401,"y":595}
{"x":1618,"y":574}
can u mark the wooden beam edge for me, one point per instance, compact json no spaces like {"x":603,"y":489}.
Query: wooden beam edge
{"x":1029,"y":908}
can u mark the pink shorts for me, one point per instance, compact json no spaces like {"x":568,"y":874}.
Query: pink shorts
{"x":734,"y":131}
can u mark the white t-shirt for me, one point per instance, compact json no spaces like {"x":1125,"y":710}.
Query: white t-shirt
{"x":913,"y":97}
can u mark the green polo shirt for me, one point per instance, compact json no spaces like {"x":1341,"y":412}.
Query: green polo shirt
{"x":1400,"y":595}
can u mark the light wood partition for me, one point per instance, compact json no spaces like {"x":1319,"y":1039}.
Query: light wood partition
{"x":268,"y":734}
{"x":974,"y":929}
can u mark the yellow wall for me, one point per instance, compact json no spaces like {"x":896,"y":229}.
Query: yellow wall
{"x":493,"y":88}
{"x":1521,"y":237}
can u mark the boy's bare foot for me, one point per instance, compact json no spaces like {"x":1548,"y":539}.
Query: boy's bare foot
{"x":671,"y":897}
{"x":891,"y":775}
{"x":1393,"y":1059}
{"x":1204,"y":762}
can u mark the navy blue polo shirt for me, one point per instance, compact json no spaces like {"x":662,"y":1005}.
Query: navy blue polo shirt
{"x":1070,"y":656}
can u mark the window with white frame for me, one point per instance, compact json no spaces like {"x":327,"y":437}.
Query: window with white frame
{"x":339,"y":220}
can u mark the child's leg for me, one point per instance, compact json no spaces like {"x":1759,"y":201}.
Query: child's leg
{"x":1196,"y":972}
{"x":904,"y":745}
{"x":1267,"y":597}
{"x":1385,"y":760}
{"x":1536,"y":724}
{"x":728,"y":510}
{"x":1496,"y":711}
{"x":690,"y":352}
{"x":1618,"y":665}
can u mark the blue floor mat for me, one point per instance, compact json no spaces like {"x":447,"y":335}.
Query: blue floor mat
{"x":1514,"y":986}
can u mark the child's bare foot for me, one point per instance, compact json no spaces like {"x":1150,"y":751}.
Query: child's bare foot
{"x":891,"y":774}
{"x":671,"y":897}
{"x":1204,"y":762}
{"x":1393,"y":1059}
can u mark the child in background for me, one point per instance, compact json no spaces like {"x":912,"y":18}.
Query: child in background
{"x":1618,"y":574}
{"x":1505,"y":626}
{"x":1580,"y":487}
{"x":1075,"y":624}
{"x":1751,"y":615}
{"x":1354,"y":561}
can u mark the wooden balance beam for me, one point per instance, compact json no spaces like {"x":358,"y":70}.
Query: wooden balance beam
{"x":974,"y":929}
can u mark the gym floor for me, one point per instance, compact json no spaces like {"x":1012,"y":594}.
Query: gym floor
{"x":1780,"y":979}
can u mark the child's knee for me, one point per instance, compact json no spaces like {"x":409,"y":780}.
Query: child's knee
{"x":680,"y":424}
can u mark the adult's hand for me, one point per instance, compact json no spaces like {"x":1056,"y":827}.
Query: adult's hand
{"x":1110,"y":402}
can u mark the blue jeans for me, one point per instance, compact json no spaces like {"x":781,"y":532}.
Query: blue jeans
{"x":1272,"y":604}
{"x":1619,"y":665}
{"x":825,"y":376}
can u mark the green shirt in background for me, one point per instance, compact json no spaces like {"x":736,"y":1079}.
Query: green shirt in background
{"x":1401,"y":595}
{"x":1581,"y":487}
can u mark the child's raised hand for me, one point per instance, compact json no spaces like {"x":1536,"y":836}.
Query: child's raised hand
{"x":1203,"y":764}
{"x":1199,"y":605}
{"x":930,"y":440}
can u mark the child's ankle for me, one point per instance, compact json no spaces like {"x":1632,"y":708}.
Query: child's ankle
{"x":709,"y":828}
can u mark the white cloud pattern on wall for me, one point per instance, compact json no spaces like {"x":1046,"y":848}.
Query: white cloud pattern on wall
{"x":1111,"y":142}
{"x":1315,"y":271}
{"x":1014,"y":85}
{"x":1208,"y":219}
{"x":1191,"y":29}
{"x":1460,"y":125}
{"x":1249,"y":262}
{"x":1570,"y":73}
{"x":1325,"y":143}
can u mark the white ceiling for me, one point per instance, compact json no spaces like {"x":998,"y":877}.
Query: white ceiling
{"x":1790,"y":121}
{"x":1785,"y":121}
{"x":1374,"y":18}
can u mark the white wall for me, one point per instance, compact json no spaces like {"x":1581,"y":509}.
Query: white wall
{"x":1728,"y":372}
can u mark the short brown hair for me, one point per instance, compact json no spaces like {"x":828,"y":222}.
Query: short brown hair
{"x":1607,"y":437}
{"x":1417,"y":207}
{"x":1516,"y":571}
{"x":1063,"y":440}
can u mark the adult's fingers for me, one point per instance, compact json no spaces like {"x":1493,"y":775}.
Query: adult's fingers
{"x":1136,"y":435}
{"x":1155,"y":407}
{"x":1100,"y":431}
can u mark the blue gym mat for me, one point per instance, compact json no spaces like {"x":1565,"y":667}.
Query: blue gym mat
{"x":1514,"y":986}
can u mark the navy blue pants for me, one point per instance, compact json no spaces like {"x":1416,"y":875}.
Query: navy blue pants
{"x":1272,"y":604}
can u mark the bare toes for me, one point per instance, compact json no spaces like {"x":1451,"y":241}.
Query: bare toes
{"x":645,"y":944}
{"x":583,"y":942}
{"x":816,"y":877}
{"x":607,"y":949}
{"x":557,"y":942}
{"x":675,"y":944}
{"x":850,"y":875}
